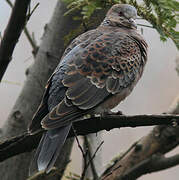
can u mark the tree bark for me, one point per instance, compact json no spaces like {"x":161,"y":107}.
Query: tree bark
{"x":48,"y":56}
{"x":160,"y":140}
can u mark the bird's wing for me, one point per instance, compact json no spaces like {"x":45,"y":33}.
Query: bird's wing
{"x":43,"y":108}
{"x":91,"y":72}
{"x":41,"y":112}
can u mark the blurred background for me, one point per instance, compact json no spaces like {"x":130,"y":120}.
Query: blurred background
{"x":154,"y":93}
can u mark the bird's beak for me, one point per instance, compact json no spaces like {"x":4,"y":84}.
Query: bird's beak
{"x":132,"y":22}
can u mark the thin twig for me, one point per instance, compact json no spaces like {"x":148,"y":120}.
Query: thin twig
{"x":92,"y":165}
{"x":86,"y":164}
{"x":31,"y":12}
{"x":103,"y":178}
{"x":10,"y":3}
{"x":80,"y":147}
{"x":145,"y":26}
{"x":83,"y":153}
{"x":0,"y":36}
{"x":27,"y":33}
{"x":91,"y":159}
{"x":31,"y":41}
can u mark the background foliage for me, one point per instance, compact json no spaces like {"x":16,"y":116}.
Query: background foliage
{"x":163,"y":15}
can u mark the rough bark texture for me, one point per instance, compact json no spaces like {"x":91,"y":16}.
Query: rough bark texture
{"x":52,"y":46}
{"x":160,"y":140}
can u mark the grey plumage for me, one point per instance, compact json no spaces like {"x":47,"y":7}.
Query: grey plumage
{"x":54,"y":140}
{"x":98,"y":70}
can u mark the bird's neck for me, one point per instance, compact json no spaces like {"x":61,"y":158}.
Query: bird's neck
{"x":114,"y":23}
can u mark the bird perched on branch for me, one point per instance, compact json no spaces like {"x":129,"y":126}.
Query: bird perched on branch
{"x":98,"y":70}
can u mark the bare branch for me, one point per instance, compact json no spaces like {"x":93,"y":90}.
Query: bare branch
{"x":31,"y":41}
{"x":27,"y":142}
{"x":164,"y":163}
{"x":10,"y":3}
{"x":160,"y":140}
{"x":90,"y":161}
{"x":32,"y":11}
{"x":12,"y":33}
{"x":26,"y":31}
{"x":87,"y":146}
{"x":80,"y":147}
{"x":152,"y":164}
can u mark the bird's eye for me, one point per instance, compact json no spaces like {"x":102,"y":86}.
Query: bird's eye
{"x":120,"y":13}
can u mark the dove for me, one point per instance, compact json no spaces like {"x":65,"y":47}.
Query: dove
{"x":97,"y":71}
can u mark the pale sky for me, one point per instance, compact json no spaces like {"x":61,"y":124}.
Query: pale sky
{"x":153,"y":95}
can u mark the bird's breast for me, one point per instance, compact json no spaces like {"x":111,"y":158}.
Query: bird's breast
{"x":113,"y":101}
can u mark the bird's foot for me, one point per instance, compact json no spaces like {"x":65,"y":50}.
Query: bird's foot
{"x":112,"y":113}
{"x":106,"y":113}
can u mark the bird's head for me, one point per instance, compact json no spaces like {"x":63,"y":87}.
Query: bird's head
{"x":122,"y":15}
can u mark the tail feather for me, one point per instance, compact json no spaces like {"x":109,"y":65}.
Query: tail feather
{"x":50,"y":146}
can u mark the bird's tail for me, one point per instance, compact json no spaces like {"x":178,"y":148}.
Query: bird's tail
{"x":49,"y":148}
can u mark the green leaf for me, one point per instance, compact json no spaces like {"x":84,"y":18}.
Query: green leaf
{"x":162,"y":14}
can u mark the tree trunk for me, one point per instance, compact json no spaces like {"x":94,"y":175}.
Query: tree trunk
{"x":60,"y":31}
{"x":48,"y":56}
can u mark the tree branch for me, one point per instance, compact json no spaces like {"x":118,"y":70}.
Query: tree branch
{"x":12,"y":33}
{"x":31,"y":41}
{"x":160,"y":140}
{"x":92,"y":168}
{"x":26,"y":142}
{"x":27,"y":33}
{"x":152,"y":164}
{"x":90,"y":161}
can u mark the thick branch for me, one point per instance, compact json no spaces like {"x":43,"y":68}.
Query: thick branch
{"x":152,"y":164}
{"x":12,"y":33}
{"x":160,"y":140}
{"x":27,"y":33}
{"x":26,"y":142}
